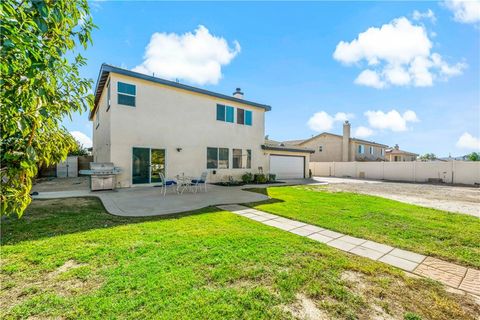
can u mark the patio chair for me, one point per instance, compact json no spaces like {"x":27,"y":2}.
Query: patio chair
{"x":166,"y":183}
{"x":196,"y":183}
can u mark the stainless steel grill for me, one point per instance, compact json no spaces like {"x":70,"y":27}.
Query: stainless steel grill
{"x":102,"y":175}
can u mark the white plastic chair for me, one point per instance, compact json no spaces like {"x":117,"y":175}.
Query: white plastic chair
{"x":166,"y":183}
{"x":196,"y":183}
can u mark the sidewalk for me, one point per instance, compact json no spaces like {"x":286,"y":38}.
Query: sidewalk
{"x":456,"y":276}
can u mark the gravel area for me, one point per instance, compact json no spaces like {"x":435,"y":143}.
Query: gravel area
{"x":459,"y":199}
{"x":61,"y":184}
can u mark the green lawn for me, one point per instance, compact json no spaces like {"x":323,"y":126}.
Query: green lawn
{"x":454,"y":237}
{"x":67,"y":258}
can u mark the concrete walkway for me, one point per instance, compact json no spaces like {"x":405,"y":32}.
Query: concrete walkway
{"x":456,"y":276}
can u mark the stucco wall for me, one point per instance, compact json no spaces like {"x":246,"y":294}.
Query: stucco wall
{"x":331,"y":148}
{"x":366,"y":156}
{"x":170,"y":118}
{"x":101,"y":136}
{"x":460,"y":172}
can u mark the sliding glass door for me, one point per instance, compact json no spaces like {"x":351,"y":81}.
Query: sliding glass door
{"x":147,"y":164}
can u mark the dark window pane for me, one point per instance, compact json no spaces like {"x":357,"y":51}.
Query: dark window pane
{"x":126,"y":100}
{"x":140,"y":165}
{"x":237,"y":158}
{"x":248,"y":117}
{"x":240,"y":116}
{"x":249,"y":159}
{"x":230,"y":111}
{"x":212,"y":158}
{"x":222,"y":158}
{"x":126,"y":88}
{"x":220,"y":112}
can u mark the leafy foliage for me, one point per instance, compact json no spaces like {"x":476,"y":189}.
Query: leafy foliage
{"x":78,"y":150}
{"x":40,"y":86}
{"x":474,"y":156}
{"x":428,"y":157}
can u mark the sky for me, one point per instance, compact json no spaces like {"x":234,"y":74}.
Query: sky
{"x":405,"y":73}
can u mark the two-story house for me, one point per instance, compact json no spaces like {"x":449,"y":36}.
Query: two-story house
{"x":395,"y":154}
{"x":147,"y":125}
{"x":329,"y":147}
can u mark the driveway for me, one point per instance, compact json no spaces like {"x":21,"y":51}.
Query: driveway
{"x":444,"y":197}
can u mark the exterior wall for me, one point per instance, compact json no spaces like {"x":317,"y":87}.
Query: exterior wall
{"x":306,"y":156}
{"x":376,"y":156}
{"x":331,"y":148}
{"x":170,"y":118}
{"x":457,"y":172}
{"x":101,"y":137}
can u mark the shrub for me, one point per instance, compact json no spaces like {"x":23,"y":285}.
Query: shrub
{"x":411,"y":316}
{"x":260,"y":178}
{"x":272,"y":177}
{"x":247,"y":177}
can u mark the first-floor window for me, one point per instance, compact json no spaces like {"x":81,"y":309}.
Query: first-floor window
{"x":361,"y":148}
{"x":371,"y":149}
{"x":237,"y":158}
{"x":249,"y":159}
{"x":382,"y":152}
{"x":217,"y":158}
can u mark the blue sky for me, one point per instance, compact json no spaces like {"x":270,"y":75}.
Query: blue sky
{"x":420,"y":87}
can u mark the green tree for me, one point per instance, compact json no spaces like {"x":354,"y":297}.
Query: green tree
{"x":428,"y":157}
{"x":474,"y":156}
{"x":78,"y":150}
{"x":40,"y":85}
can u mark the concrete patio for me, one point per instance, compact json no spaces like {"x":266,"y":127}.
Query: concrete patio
{"x":148,"y":201}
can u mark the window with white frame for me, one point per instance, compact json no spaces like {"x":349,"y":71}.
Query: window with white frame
{"x":126,"y":94}
{"x":237,"y":158}
{"x":370,"y":149}
{"x":361,"y":149}
{"x":217,"y":158}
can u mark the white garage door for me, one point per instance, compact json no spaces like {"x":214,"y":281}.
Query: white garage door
{"x":286,"y":167}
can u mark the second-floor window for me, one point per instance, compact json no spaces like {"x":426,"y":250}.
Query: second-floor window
{"x":225,"y":113}
{"x":126,"y":94}
{"x":361,"y":148}
{"x":320,"y":149}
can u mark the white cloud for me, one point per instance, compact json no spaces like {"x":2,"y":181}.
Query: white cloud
{"x":464,"y":11}
{"x":417,"y":15}
{"x":195,"y":57}
{"x":397,"y":54}
{"x":322,"y":121}
{"x":391,"y":120}
{"x":363,"y":132}
{"x":82,"y":138}
{"x":467,"y":141}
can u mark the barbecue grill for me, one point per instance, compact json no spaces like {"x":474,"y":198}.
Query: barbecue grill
{"x":102,"y":175}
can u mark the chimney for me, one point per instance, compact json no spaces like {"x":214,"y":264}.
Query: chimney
{"x":346,"y":141}
{"x":396,"y":147}
{"x":238,"y":94}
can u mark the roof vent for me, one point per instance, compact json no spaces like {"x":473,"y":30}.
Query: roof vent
{"x":238,"y":93}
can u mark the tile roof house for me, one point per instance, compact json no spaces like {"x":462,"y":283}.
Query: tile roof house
{"x":395,"y":155}
{"x":329,"y":147}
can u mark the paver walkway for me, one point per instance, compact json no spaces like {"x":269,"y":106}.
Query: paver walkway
{"x":459,"y":277}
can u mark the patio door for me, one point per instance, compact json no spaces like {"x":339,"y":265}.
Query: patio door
{"x":147,"y":164}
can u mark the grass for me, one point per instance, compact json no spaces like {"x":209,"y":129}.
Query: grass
{"x":67,"y":258}
{"x":450,"y":236}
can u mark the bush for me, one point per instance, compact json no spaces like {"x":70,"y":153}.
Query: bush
{"x":272,"y":177}
{"x":411,"y":316}
{"x":247,"y":177}
{"x":260,"y":178}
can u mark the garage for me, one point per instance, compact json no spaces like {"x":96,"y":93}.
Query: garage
{"x":287,"y":167}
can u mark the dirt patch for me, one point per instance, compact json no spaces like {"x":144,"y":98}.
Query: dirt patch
{"x":304,"y":308}
{"x":443,"y":197}
{"x":61,"y":184}
{"x":18,"y":290}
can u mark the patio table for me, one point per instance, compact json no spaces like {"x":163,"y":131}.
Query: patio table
{"x":183,"y":183}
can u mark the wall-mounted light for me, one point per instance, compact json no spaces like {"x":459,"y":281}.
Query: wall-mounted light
{"x":179,"y":149}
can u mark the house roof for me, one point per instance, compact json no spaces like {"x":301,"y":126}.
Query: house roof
{"x":298,"y":142}
{"x":398,"y":151}
{"x":105,"y":70}
{"x":280,"y":146}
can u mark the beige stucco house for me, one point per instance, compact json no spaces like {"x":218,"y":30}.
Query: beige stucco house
{"x":395,"y":155}
{"x":147,"y":125}
{"x":329,"y":147}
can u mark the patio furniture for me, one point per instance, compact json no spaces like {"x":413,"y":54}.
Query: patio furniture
{"x":166,"y":183}
{"x":196,"y":183}
{"x":183,"y":183}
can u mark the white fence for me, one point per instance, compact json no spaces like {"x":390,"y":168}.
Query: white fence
{"x":461,"y":172}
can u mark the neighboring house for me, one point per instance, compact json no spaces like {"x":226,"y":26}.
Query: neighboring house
{"x":147,"y":126}
{"x":330,"y":147}
{"x":395,"y":155}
